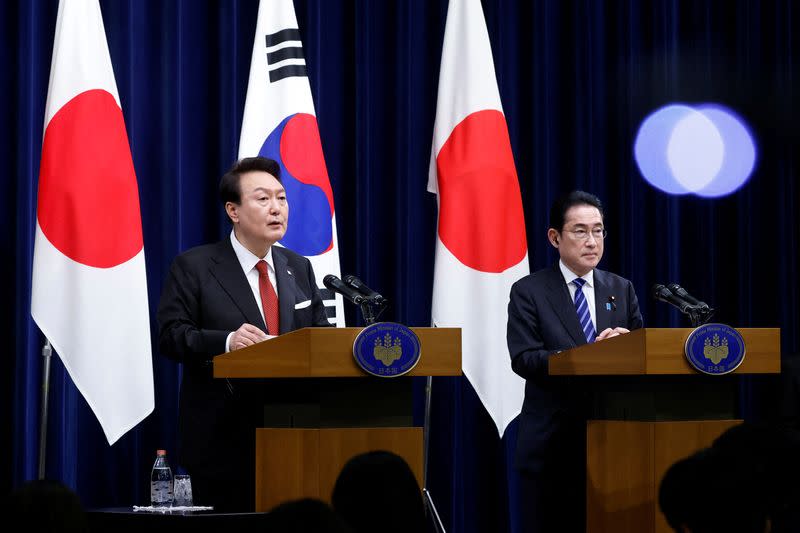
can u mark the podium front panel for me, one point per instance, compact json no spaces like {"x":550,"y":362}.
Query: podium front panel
{"x":304,"y":463}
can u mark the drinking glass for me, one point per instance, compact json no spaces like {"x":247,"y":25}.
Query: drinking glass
{"x":182,"y":491}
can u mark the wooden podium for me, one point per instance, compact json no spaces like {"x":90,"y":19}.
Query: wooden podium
{"x":321,"y":409}
{"x":651,"y":409}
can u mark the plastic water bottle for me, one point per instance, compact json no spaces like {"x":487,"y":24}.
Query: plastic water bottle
{"x":161,"y":481}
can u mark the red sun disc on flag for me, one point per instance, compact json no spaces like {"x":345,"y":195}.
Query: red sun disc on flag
{"x":480,"y":212}
{"x":88,"y":205}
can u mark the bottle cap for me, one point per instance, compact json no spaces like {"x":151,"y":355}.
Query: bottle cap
{"x":161,"y":452}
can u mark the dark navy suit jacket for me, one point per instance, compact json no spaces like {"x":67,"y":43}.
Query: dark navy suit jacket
{"x":541,"y":322}
{"x":206,"y":296}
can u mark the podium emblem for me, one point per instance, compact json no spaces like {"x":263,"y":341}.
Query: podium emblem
{"x":386,"y":349}
{"x":715,"y":349}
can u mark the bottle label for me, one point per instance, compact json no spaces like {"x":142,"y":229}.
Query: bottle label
{"x":161,"y":487}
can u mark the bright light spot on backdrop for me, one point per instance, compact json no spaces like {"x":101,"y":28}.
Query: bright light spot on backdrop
{"x":706,"y":150}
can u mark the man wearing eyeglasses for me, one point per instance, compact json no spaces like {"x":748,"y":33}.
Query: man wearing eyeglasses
{"x":555,"y":309}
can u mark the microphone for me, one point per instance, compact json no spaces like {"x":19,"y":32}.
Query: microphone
{"x":362,"y":288}
{"x":680,"y":292}
{"x":660,"y":292}
{"x":337,"y":285}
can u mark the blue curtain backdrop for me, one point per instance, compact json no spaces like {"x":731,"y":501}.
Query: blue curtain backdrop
{"x":576,"y":78}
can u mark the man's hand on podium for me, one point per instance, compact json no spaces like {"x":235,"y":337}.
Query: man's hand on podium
{"x":247,"y":335}
{"x":609,"y":332}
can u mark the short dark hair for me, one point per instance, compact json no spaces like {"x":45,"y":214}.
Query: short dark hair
{"x":229,"y":187}
{"x":47,"y":505}
{"x":307,"y":514}
{"x":754,"y":464}
{"x":369,"y":480}
{"x":558,"y":211}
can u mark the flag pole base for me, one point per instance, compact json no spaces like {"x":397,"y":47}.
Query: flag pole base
{"x":434,"y":514}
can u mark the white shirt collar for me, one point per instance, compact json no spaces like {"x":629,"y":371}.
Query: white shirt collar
{"x":247,"y":258}
{"x":570,"y":276}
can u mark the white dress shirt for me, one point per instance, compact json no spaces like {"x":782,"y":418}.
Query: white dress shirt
{"x":248,"y":261}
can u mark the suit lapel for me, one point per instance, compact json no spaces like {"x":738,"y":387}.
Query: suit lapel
{"x":602,"y":294}
{"x":228,"y":272}
{"x":287,"y":289}
{"x":558,"y":296}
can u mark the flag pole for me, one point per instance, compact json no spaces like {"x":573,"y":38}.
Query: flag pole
{"x":437,"y":521}
{"x":426,"y":431}
{"x":47,"y":355}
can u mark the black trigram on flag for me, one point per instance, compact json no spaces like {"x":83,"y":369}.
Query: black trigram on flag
{"x":329,"y":299}
{"x":284,"y":46}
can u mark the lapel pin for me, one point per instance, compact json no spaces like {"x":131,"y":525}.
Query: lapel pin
{"x":611,"y":305}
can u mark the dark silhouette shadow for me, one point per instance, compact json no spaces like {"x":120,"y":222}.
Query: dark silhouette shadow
{"x":44,"y":505}
{"x":377,"y":491}
{"x":304,"y":516}
{"x":746,"y":482}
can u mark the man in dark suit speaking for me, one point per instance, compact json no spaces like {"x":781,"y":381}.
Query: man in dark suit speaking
{"x":554,"y":309}
{"x":223,"y":297}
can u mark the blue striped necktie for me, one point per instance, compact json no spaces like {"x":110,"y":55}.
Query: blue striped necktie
{"x":582,"y":308}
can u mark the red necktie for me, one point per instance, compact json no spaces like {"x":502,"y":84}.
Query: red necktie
{"x":269,"y":299}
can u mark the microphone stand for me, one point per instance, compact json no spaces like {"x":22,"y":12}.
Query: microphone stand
{"x":371,"y":310}
{"x":699,"y":315}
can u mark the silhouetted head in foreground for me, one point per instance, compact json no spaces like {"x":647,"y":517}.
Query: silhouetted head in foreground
{"x":304,"y":516}
{"x":377,"y":491}
{"x":744,"y":483}
{"x":44,"y":505}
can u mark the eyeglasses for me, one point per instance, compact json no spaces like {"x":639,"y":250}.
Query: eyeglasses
{"x":582,"y":234}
